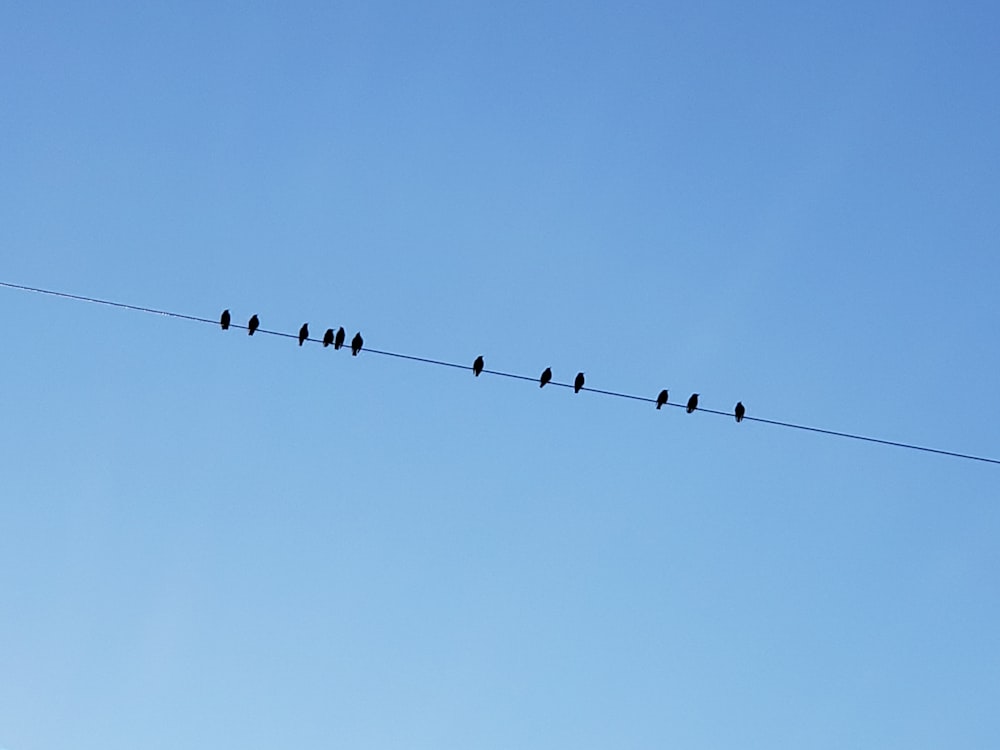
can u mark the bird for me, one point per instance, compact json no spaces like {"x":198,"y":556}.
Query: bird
{"x":662,"y":398}
{"x":356,"y":343}
{"x":546,"y":377}
{"x":477,"y":366}
{"x":253,"y":325}
{"x":692,"y":403}
{"x":578,"y":383}
{"x":224,"y":321}
{"x":341,"y":335}
{"x":740,"y":411}
{"x":328,"y":337}
{"x":303,"y":333}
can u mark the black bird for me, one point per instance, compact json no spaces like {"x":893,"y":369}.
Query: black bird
{"x":328,"y":337}
{"x":356,"y":343}
{"x":740,"y":411}
{"x":303,"y":333}
{"x":662,"y":398}
{"x":578,"y":383}
{"x":546,"y":377}
{"x":224,"y":321}
{"x":341,"y":335}
{"x":253,"y":325}
{"x":692,"y":403}
{"x":477,"y":366}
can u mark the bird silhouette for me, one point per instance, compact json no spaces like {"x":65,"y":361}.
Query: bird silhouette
{"x":253,"y":325}
{"x":303,"y":333}
{"x":224,"y":320}
{"x":356,"y":343}
{"x":740,"y":411}
{"x":578,"y":383}
{"x":662,"y":398}
{"x":328,"y":337}
{"x":546,"y":377}
{"x":692,"y":403}
{"x":477,"y":366}
{"x":341,"y":335}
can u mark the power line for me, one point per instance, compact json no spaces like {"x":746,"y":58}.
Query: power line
{"x":515,"y":376}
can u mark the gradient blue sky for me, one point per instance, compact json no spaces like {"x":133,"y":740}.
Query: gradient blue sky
{"x":213,"y":541}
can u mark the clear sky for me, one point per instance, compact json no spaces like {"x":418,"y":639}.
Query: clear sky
{"x":209,"y":540}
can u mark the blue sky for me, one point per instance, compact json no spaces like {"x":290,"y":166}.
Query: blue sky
{"x":208,"y":539}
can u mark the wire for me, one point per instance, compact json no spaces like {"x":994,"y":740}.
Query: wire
{"x":515,"y":376}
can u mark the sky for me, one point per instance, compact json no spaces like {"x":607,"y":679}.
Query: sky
{"x":213,"y":540}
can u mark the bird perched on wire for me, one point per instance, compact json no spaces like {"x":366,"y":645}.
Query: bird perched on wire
{"x":692,"y":403}
{"x":546,"y":377}
{"x":225,"y":320}
{"x":253,"y":325}
{"x":303,"y":333}
{"x":478,"y":365}
{"x":740,"y":411}
{"x":578,"y":383}
{"x":662,"y":398}
{"x":339,"y":340}
{"x":328,"y":337}
{"x":356,"y":344}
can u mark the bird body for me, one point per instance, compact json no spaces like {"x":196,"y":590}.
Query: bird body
{"x":303,"y":333}
{"x":740,"y":411}
{"x":356,"y":344}
{"x":546,"y":377}
{"x":662,"y":398}
{"x":328,"y":337}
{"x":578,"y":383}
{"x":253,"y":325}
{"x":339,"y":340}
{"x":225,"y":320}
{"x":478,"y":365}
{"x":692,"y":403}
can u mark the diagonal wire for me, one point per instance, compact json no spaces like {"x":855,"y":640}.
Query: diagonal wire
{"x":515,"y":376}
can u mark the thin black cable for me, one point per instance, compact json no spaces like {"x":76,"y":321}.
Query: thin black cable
{"x":515,"y":376}
{"x":96,"y":301}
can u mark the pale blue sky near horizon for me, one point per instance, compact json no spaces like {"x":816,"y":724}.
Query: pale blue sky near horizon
{"x":208,"y":539}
